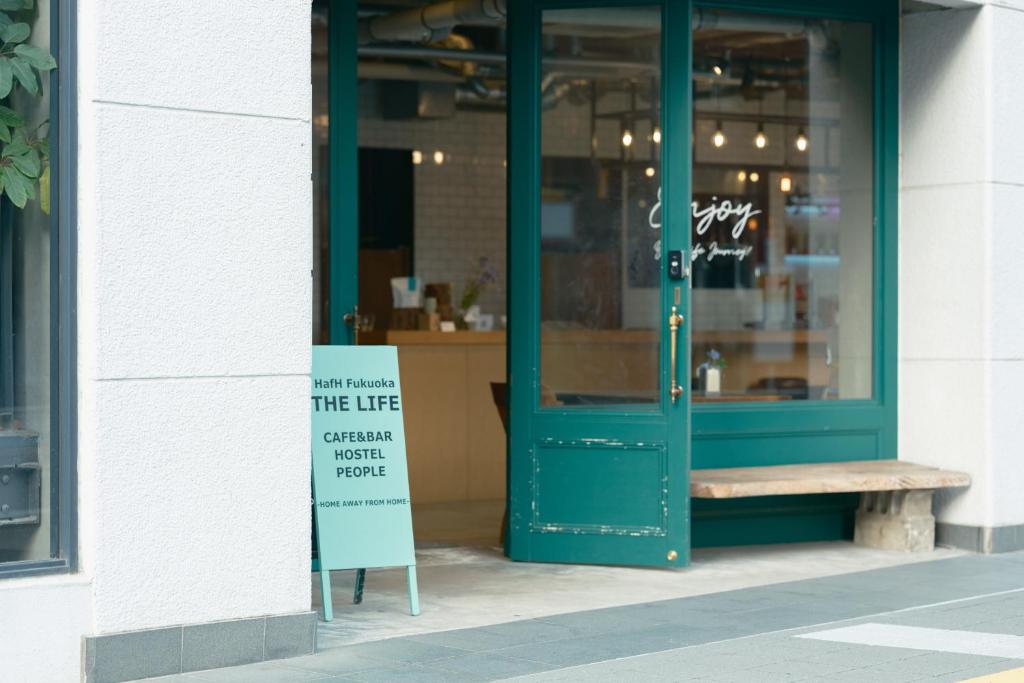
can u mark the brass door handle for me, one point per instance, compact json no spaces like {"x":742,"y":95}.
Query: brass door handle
{"x":674,"y":321}
{"x":352,"y":320}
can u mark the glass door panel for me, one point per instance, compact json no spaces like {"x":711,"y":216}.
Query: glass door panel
{"x":600,"y":165}
{"x":783,"y":213}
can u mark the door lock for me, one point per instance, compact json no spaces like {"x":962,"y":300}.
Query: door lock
{"x":677,"y":269}
{"x":352,"y":320}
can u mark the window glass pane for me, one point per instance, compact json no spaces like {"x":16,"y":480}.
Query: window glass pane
{"x":26,"y":467}
{"x":600,"y":141}
{"x":782,"y":208}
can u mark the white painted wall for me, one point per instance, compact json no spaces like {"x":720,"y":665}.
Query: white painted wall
{"x":194,"y":295}
{"x":194,"y":319}
{"x":962,"y":196}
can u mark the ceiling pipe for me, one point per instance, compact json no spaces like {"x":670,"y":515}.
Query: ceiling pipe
{"x":498,"y":58}
{"x":431,"y":23}
{"x":411,"y":52}
{"x":434,"y":22}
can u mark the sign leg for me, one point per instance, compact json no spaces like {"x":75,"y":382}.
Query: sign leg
{"x":414,"y":591}
{"x":325,"y":593}
{"x":357,"y":595}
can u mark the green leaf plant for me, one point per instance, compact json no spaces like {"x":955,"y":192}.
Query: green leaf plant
{"x":24,"y":150}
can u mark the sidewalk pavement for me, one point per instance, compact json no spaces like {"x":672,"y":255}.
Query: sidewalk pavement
{"x":950,"y":619}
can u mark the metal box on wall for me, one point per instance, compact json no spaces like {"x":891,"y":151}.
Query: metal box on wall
{"x":19,"y":478}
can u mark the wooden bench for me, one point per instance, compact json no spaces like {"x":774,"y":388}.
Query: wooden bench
{"x":895,"y":510}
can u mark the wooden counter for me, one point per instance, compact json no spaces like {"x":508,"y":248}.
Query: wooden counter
{"x":431,"y":338}
{"x":455,"y":440}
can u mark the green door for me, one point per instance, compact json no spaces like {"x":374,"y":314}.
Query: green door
{"x":599,"y":149}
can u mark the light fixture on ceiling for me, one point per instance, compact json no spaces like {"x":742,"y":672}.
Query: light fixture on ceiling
{"x":786,"y":183}
{"x":417,"y":157}
{"x":627,"y":138}
{"x":649,"y":172}
{"x":717,"y":69}
{"x":438,"y":157}
{"x":741,"y":176}
{"x":754,"y":176}
{"x":760,"y":140}
{"x":656,"y":136}
{"x":801,"y":141}
{"x":718,"y":139}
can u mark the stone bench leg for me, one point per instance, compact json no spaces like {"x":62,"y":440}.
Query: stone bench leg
{"x":896,"y":520}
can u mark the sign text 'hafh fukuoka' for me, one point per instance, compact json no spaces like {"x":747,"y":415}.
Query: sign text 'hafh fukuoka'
{"x":360,"y":475}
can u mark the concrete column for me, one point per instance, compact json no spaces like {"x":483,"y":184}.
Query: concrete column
{"x":961,"y":328}
{"x":194,"y":309}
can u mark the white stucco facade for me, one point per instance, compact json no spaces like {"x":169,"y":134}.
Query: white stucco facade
{"x":193,"y":340}
{"x":194,"y":290}
{"x":961,"y":193}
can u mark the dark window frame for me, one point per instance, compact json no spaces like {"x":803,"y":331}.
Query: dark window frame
{"x":63,"y":304}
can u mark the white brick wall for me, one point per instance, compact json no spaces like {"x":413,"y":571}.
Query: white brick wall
{"x":460,"y":204}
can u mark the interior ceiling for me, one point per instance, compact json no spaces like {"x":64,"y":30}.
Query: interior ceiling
{"x":771,"y":58}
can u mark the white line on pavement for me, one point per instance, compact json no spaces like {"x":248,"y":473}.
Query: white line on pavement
{"x":921,"y":638}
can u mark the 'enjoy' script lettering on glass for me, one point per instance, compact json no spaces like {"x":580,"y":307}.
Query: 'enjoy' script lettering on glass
{"x":706,"y":216}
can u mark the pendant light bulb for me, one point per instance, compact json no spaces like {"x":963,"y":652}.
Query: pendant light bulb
{"x":786,"y":183}
{"x":801,"y":141}
{"x":627,"y":138}
{"x":717,"y":70}
{"x":754,"y":176}
{"x":656,"y":136}
{"x":718,"y":139}
{"x":760,"y":140}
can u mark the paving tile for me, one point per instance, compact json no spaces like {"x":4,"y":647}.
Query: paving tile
{"x":603,"y":621}
{"x":490,"y":665}
{"x":411,"y":672}
{"x":864,"y":656}
{"x":750,"y":677}
{"x":576,"y":651}
{"x":868,"y":674}
{"x":406,"y":651}
{"x":255,"y":673}
{"x":1012,"y":626}
{"x":939,"y":663}
{"x":336,"y":661}
{"x":497,"y":636}
{"x":802,"y":668}
{"x":980,"y":670}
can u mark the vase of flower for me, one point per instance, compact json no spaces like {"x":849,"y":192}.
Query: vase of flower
{"x":709,"y":373}
{"x":482,"y":280}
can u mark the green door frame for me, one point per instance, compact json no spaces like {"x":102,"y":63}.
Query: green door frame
{"x":751,"y":434}
{"x":343,"y":175}
{"x":722,"y":435}
{"x":580,"y":443}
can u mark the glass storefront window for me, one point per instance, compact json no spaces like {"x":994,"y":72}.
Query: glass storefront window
{"x":601,"y":158}
{"x":28,"y":259}
{"x":782,"y":208}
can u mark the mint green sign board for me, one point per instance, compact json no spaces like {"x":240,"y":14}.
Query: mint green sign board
{"x":360,"y":477}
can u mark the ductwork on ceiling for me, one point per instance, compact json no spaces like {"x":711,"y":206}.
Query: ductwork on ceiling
{"x":431,"y":23}
{"x":434,"y":22}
